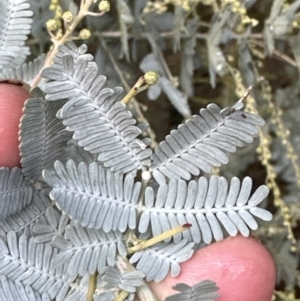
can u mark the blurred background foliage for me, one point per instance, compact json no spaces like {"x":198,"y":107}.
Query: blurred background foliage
{"x":209,"y":51}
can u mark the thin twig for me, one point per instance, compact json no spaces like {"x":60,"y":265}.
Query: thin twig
{"x":246,"y":94}
{"x":170,"y":35}
{"x":134,"y":102}
{"x":165,"y":35}
{"x":277,"y":53}
{"x":83,"y":11}
{"x":134,"y":90}
{"x":152,"y":241}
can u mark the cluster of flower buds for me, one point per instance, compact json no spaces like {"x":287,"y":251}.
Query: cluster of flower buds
{"x":66,"y":21}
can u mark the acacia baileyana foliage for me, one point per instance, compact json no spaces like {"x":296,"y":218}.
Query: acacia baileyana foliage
{"x":95,"y":185}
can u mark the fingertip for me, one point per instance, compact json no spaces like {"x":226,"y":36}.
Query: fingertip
{"x":12,"y":98}
{"x":242,"y":268}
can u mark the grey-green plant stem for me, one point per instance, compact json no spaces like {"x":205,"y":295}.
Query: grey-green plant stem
{"x":170,"y":35}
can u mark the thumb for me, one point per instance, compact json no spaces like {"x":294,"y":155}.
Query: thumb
{"x":242,"y":268}
{"x":12,"y":98}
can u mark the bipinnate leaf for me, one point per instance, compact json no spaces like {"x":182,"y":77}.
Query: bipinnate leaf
{"x":206,"y":205}
{"x":15,"y":25}
{"x":205,"y":290}
{"x":204,"y":141}
{"x":43,"y":137}
{"x":22,"y":260}
{"x":127,"y":281}
{"x":101,"y":124}
{"x":94,"y":196}
{"x":15,"y":290}
{"x":156,"y":262}
{"x":26,"y":72}
{"x":88,"y":250}
{"x":15,"y":193}
{"x":38,"y":211}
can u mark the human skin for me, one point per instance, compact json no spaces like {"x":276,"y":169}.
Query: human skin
{"x":12,"y":99}
{"x":242,"y":268}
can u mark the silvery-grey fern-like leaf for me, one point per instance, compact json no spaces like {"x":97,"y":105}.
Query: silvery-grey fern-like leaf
{"x":178,"y":99}
{"x":268,"y":32}
{"x":187,"y":58}
{"x":15,"y":193}
{"x":43,"y":137}
{"x":15,"y":25}
{"x":69,"y":48}
{"x":15,"y":291}
{"x":53,"y":229}
{"x":217,"y":61}
{"x":26,"y":72}
{"x":279,"y":23}
{"x":100,"y":123}
{"x":151,"y":63}
{"x":21,"y":259}
{"x":38,"y":211}
{"x":206,"y":205}
{"x":126,"y":282}
{"x":205,"y":290}
{"x":130,"y":297}
{"x":125,"y":20}
{"x":203,"y":141}
{"x":107,"y":296}
{"x":157,"y":261}
{"x":78,"y":292}
{"x":282,"y":25}
{"x":88,"y":250}
{"x":76,"y":153}
{"x":246,"y":64}
{"x":94,"y":196}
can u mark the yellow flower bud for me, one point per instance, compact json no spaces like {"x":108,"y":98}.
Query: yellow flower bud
{"x":254,"y":22}
{"x":151,"y":78}
{"x":58,"y":12}
{"x":84,"y":34}
{"x":51,"y":24}
{"x":67,"y":16}
{"x":104,"y":6}
{"x":52,"y":7}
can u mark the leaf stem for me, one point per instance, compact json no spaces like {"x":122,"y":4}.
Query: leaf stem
{"x":91,"y":287}
{"x":122,"y":296}
{"x":277,"y":53}
{"x":134,"y":90}
{"x":134,"y":103}
{"x":152,"y":241}
{"x":170,"y":35}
